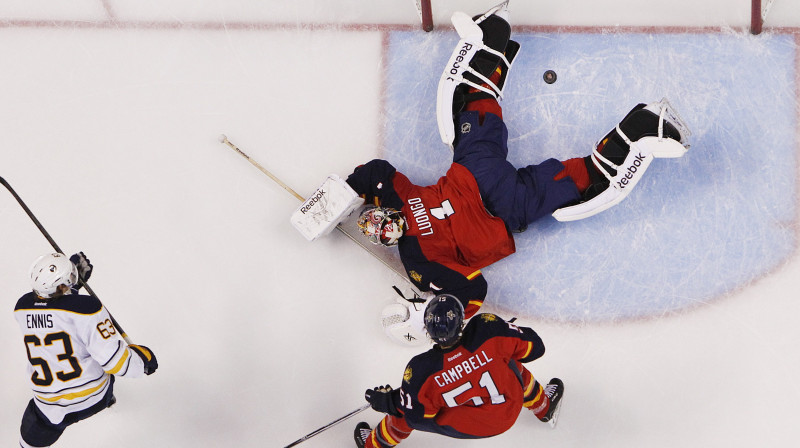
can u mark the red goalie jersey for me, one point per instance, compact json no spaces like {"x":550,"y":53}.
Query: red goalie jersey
{"x":449,"y":236}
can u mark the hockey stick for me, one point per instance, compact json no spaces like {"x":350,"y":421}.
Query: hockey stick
{"x":223,"y":139}
{"x":328,"y":426}
{"x":58,"y":249}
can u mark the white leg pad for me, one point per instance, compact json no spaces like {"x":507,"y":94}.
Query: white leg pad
{"x":641,"y":154}
{"x":470,"y":44}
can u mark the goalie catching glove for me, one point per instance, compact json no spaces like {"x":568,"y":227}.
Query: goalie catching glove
{"x":403,"y":321}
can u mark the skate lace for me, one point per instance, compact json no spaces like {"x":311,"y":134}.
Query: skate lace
{"x":550,"y":390}
{"x":364,"y":434}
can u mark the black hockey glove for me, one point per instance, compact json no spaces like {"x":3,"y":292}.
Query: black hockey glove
{"x":82,"y":263}
{"x":147,"y":355}
{"x":384,"y":399}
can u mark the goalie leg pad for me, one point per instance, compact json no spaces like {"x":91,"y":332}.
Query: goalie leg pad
{"x":483,"y":48}
{"x":647,"y":132}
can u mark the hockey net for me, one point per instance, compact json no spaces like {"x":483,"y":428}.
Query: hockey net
{"x":758,"y":13}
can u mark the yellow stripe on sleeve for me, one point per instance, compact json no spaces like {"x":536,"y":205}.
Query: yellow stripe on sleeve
{"x":121,"y":362}
{"x":474,"y":274}
{"x":528,"y":351}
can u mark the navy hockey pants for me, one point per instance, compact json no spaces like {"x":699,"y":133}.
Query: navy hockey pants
{"x":517,"y":196}
{"x":37,"y":430}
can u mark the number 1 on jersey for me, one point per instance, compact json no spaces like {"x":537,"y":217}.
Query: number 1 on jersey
{"x":444,"y":211}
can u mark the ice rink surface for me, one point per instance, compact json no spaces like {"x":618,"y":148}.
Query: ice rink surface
{"x":671,"y":318}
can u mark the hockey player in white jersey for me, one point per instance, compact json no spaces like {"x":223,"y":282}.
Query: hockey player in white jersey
{"x":75,"y":352}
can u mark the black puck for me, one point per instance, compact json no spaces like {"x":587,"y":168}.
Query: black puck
{"x":550,"y":76}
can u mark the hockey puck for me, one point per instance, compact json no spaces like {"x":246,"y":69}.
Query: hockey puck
{"x":550,"y":76}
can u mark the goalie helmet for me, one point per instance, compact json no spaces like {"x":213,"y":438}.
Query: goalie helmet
{"x":444,"y":320}
{"x":381,"y":225}
{"x":49,"y":272}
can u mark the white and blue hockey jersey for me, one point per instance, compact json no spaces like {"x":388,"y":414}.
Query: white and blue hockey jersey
{"x":73,"y":348}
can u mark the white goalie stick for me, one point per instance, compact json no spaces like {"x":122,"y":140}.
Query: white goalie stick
{"x":58,"y":249}
{"x":224,"y":139}
{"x":328,"y":426}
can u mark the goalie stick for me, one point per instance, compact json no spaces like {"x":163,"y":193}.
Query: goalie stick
{"x":58,"y":249}
{"x":224,"y":139}
{"x":328,"y":426}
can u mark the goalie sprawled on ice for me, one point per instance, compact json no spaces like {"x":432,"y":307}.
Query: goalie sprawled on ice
{"x":447,"y":232}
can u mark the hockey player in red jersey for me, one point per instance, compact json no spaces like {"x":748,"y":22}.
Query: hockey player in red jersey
{"x":446,"y":233}
{"x":471,"y":384}
{"x":75,"y":352}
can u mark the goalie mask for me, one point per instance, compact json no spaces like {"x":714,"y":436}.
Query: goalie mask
{"x":381,"y":225}
{"x":51,"y":271}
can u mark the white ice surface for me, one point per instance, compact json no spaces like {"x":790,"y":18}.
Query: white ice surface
{"x":110,"y":136}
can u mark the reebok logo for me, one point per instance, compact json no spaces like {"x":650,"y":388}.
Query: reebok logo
{"x":456,"y":65}
{"x":314,"y":199}
{"x":630,"y":173}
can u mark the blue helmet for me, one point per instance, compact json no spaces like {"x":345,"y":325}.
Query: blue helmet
{"x":444,"y":319}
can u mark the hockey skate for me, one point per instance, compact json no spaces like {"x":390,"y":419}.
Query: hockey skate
{"x":484,"y":48}
{"x":620,"y":159}
{"x":361,"y":434}
{"x":555,"y":392}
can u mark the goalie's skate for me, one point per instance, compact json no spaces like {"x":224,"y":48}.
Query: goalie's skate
{"x":484,"y":47}
{"x":621,"y":157}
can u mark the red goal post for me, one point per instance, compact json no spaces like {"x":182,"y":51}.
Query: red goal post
{"x":758,"y":13}
{"x":425,"y":14}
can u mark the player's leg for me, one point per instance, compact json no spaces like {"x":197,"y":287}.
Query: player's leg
{"x":36,"y":431}
{"x":477,"y":69}
{"x":389,"y":432}
{"x":542,"y":401}
{"x":620,"y":158}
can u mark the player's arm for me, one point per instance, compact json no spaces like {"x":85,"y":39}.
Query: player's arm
{"x":374,"y":181}
{"x":525,"y":343}
{"x":109,"y":349}
{"x":464,"y":282}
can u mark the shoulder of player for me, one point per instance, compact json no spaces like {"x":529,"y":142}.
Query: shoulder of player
{"x":74,"y":303}
{"x":482,"y":327}
{"x":421,"y":367}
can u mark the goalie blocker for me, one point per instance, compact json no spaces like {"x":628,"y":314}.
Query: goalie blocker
{"x":328,"y":206}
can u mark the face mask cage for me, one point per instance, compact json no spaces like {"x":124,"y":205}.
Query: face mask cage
{"x":379,"y":226}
